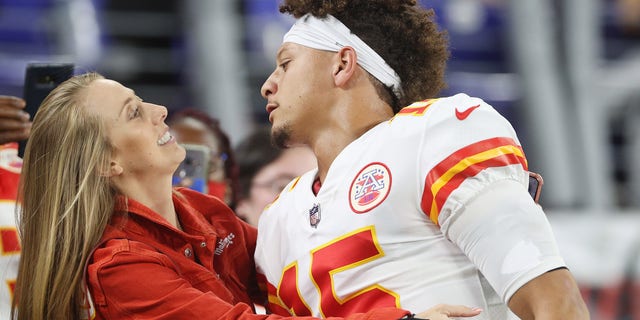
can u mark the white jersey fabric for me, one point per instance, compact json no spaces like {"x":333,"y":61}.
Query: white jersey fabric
{"x":10,"y":166}
{"x":390,"y":225}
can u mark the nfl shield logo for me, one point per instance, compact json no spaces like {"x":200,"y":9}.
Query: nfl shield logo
{"x":314,"y":215}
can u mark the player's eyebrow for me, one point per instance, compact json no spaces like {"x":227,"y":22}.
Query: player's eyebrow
{"x":284,"y":49}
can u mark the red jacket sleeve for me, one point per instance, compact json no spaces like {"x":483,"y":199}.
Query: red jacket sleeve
{"x":131,"y":280}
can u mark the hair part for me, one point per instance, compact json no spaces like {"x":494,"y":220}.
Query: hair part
{"x":404,"y":34}
{"x":66,"y":202}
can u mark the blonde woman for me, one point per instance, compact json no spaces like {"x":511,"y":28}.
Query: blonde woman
{"x":105,"y":235}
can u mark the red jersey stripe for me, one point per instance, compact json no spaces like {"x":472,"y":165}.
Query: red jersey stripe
{"x":274,"y":303}
{"x":467,"y":162}
{"x":417,"y":108}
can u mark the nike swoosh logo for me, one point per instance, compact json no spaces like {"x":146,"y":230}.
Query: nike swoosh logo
{"x":461,"y":115}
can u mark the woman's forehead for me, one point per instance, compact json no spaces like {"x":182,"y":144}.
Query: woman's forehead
{"x":105,"y":95}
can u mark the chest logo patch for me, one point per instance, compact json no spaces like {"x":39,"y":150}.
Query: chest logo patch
{"x":314,"y":215}
{"x":370,"y":187}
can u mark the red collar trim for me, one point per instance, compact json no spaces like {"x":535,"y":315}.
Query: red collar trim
{"x":315,"y":187}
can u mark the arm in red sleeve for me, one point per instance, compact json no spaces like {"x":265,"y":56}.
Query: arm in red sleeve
{"x":129,"y":279}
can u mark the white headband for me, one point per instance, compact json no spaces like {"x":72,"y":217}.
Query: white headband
{"x":330,"y":34}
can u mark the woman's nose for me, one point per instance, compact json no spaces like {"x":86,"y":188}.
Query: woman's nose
{"x":160,"y":113}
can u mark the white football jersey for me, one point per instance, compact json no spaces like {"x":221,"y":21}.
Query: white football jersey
{"x":373,"y":236}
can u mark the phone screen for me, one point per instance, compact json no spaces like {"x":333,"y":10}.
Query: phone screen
{"x":39,"y":80}
{"x":193,"y":172}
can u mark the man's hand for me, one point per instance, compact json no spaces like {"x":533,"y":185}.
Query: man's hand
{"x":15,"y":124}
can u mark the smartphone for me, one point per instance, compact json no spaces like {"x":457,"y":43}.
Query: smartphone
{"x":535,"y":185}
{"x":193,"y":172}
{"x":40,"y":79}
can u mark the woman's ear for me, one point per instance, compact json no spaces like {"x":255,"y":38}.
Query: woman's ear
{"x":114,"y":170}
{"x":346,"y":66}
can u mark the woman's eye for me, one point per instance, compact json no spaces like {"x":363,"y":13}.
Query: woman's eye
{"x":284,"y":65}
{"x":135,"y":113}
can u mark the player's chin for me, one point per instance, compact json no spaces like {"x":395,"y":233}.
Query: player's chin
{"x":281,"y":136}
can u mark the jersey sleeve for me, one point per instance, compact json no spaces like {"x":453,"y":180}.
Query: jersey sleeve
{"x":475,"y":177}
{"x":466,"y":146}
{"x":507,"y":236}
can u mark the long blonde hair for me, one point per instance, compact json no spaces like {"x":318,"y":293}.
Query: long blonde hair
{"x":66,"y":202}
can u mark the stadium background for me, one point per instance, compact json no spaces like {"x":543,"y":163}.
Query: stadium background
{"x":566,"y":73}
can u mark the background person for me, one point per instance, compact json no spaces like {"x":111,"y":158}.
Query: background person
{"x":15,"y":125}
{"x":433,"y":197}
{"x":265,"y":170}
{"x":192,"y":126}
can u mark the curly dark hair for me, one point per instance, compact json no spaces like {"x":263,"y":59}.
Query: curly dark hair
{"x":404,"y":34}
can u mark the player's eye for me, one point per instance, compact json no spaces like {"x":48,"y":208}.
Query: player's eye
{"x":284,"y":65}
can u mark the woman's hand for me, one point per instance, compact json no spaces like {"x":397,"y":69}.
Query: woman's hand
{"x":445,"y":311}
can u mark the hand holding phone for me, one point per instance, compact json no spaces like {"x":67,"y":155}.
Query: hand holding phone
{"x":14,"y":122}
{"x":193,"y":172}
{"x":39,"y":80}
{"x":535,"y":186}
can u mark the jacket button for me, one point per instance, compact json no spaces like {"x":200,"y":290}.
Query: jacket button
{"x":203,"y":244}
{"x":187,"y":252}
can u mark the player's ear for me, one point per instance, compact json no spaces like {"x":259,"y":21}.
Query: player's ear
{"x":345,"y":65}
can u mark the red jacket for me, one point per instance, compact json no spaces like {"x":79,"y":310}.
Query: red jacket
{"x":144,"y":268}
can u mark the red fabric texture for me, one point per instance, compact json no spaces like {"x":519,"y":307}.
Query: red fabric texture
{"x":8,"y":184}
{"x":10,"y":166}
